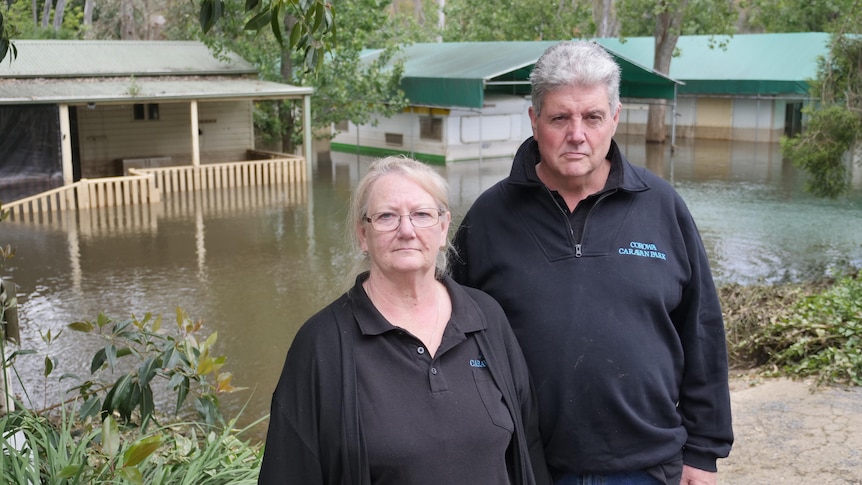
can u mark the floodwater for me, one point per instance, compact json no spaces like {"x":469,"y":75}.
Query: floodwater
{"x":254,"y":264}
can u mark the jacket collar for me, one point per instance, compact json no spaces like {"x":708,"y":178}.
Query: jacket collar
{"x":623,"y":175}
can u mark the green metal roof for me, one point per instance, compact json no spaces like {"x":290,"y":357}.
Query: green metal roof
{"x":749,"y":65}
{"x":77,"y":72}
{"x":461,"y":73}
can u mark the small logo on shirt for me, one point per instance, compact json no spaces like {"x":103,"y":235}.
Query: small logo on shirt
{"x":644,"y":250}
{"x":480,"y":362}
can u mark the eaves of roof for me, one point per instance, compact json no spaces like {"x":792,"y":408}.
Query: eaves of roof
{"x":141,"y":90}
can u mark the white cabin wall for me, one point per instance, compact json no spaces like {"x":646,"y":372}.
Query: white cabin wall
{"x":108,"y":134}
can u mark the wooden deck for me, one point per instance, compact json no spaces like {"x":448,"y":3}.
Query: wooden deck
{"x":150,"y":185}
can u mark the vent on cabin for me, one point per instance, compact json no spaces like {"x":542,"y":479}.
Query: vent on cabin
{"x":395,"y":139}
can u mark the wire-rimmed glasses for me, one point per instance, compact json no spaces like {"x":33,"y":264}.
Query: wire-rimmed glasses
{"x":389,"y":221}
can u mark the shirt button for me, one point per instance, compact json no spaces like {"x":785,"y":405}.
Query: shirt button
{"x":420,"y":350}
{"x":434,"y":370}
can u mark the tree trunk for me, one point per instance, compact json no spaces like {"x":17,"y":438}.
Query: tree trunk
{"x":35,"y":7}
{"x":667,"y":31}
{"x":605,"y":18}
{"x":46,"y":14}
{"x":59,"y":10}
{"x":286,"y":107}
{"x":88,"y":12}
{"x":419,"y":12}
{"x":127,"y":20}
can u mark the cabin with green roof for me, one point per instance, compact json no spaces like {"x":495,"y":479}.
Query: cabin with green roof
{"x":748,"y":87}
{"x":469,"y":100}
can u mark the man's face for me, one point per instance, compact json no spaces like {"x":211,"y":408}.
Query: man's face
{"x":574,"y":130}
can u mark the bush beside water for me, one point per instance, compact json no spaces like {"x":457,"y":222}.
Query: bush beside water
{"x":809,"y":330}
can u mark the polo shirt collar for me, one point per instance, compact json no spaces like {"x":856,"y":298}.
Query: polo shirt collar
{"x":465,"y":317}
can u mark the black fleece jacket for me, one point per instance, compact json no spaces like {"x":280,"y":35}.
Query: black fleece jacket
{"x":315,"y":433}
{"x":616,"y":312}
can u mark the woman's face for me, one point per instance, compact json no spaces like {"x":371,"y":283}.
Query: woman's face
{"x":407,"y":248}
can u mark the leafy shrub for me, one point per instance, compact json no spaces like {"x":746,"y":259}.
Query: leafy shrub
{"x":102,"y":435}
{"x":817,"y":336}
{"x":35,"y":450}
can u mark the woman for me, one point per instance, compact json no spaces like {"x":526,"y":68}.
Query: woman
{"x":408,"y":378}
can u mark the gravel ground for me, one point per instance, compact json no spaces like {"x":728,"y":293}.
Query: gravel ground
{"x":793,"y":432}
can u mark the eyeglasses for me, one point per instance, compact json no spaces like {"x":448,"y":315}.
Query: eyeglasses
{"x":389,"y":221}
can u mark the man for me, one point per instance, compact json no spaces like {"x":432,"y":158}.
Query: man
{"x":603,"y":275}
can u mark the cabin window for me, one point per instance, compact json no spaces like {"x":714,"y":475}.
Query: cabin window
{"x":396,"y":139}
{"x":431,"y":128}
{"x":342,"y":126}
{"x":148,"y":111}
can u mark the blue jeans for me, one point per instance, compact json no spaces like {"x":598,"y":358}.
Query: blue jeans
{"x":627,"y":478}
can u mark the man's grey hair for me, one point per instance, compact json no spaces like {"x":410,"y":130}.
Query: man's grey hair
{"x":575,"y":63}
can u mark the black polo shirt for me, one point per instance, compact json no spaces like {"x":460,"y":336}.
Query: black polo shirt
{"x":429,"y":420}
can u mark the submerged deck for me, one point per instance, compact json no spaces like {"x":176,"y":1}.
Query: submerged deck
{"x":149,"y":185}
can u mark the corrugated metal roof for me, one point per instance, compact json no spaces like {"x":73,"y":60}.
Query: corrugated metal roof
{"x":460,"y":73}
{"x":751,"y":64}
{"x":82,"y":58}
{"x":140,"y":90}
{"x":80,"y":72}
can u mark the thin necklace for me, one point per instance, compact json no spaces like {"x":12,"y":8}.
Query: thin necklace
{"x":436,"y":325}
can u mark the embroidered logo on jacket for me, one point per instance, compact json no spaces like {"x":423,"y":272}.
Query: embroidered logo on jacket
{"x":480,"y":362}
{"x":644,"y":250}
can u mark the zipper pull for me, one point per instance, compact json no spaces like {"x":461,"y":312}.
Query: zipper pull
{"x":578,"y":253}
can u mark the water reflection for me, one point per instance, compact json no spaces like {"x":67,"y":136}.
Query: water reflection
{"x":255,"y":263}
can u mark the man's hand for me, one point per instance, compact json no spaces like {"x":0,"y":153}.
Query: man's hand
{"x":696,"y":476}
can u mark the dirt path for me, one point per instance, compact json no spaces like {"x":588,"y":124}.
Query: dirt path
{"x":791,"y":432}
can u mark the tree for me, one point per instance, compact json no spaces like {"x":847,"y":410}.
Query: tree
{"x":835,"y":122}
{"x":666,"y":20}
{"x":512,"y":20}
{"x":796,"y":15}
{"x":605,"y":18}
{"x":346,"y":89}
{"x":314,"y":18}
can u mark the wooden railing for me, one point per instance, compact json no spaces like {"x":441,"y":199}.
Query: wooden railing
{"x":183,"y":178}
{"x":83,"y":194}
{"x":149,"y":185}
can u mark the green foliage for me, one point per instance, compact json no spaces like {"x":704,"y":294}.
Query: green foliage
{"x":7,"y":32}
{"x":20,"y":15}
{"x":821,"y":148}
{"x":102,"y":434}
{"x":179,"y":359}
{"x":797,"y":15}
{"x":834,"y":123}
{"x":37,"y":450}
{"x":345,"y":88}
{"x":508,"y":20}
{"x":819,"y":336}
{"x":638,"y":18}
{"x":6,"y":251}
{"x":310,"y":32}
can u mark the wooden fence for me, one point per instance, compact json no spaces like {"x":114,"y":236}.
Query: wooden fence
{"x":84,"y":194}
{"x":149,"y":185}
{"x":184,"y":178}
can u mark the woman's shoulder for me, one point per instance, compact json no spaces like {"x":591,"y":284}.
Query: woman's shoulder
{"x":325,"y":321}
